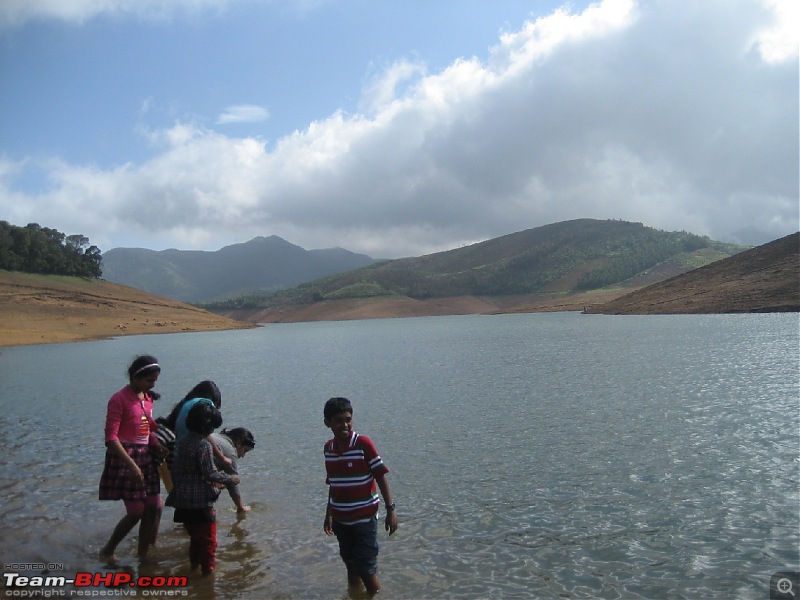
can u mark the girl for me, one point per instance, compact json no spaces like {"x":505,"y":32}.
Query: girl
{"x":208,"y":392}
{"x":197,"y":485}
{"x":205,"y":390}
{"x":234,"y":444}
{"x":130,"y":473}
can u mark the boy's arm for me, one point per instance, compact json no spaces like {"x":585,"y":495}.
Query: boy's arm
{"x":391,"y":512}
{"x":328,"y":524}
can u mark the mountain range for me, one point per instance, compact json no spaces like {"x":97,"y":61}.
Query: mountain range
{"x":262,"y":265}
{"x":559,"y":259}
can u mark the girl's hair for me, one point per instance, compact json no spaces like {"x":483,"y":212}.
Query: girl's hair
{"x":204,"y":389}
{"x":142,"y":366}
{"x":240,"y":436}
{"x":335,"y":406}
{"x":203,"y":419}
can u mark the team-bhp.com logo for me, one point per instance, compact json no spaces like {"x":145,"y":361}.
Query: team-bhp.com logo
{"x":92,"y":584}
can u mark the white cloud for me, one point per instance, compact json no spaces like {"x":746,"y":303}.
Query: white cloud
{"x":382,"y":90}
{"x":778,"y":41}
{"x":653,"y":112}
{"x":243,"y":113}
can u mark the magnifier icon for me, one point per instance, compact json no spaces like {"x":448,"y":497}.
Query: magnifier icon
{"x":784,"y":586}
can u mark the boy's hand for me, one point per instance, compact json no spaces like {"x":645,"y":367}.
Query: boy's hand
{"x":391,"y":521}
{"x":327,"y":526}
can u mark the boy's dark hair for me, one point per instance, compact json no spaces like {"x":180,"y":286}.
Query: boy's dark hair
{"x":240,"y":435}
{"x":336,"y":406}
{"x":203,"y":419}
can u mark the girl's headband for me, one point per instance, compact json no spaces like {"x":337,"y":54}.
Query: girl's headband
{"x":147,"y":368}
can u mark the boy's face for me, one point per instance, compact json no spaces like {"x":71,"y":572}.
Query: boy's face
{"x":341,"y":425}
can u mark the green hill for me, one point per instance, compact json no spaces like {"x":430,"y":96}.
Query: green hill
{"x":562,"y":258}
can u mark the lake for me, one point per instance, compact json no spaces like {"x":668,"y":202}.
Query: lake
{"x":553,"y":455}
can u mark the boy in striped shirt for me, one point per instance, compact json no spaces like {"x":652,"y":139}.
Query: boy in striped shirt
{"x":355,"y":472}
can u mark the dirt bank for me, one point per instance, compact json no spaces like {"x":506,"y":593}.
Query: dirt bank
{"x":38,"y":309}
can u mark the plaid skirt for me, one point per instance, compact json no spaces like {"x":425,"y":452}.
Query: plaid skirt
{"x":116,"y":483}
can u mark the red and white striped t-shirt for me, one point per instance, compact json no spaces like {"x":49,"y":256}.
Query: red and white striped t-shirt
{"x":353,"y":491}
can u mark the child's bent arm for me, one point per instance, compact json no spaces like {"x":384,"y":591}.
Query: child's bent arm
{"x":218,"y":453}
{"x":210,"y":471}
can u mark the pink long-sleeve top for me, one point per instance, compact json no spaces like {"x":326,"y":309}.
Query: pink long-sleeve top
{"x":129,"y":419}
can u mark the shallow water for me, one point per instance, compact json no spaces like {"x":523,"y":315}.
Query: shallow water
{"x":549,"y":455}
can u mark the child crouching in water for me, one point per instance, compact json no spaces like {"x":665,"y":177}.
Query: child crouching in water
{"x":194,"y":477}
{"x":355,"y":473}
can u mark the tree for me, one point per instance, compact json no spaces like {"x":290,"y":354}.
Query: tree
{"x":37,"y":249}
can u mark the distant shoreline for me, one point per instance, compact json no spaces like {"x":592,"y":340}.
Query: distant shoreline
{"x":402,"y":307}
{"x":39,"y":309}
{"x":56,"y":324}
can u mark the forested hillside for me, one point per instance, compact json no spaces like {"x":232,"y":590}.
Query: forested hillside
{"x":36,"y":249}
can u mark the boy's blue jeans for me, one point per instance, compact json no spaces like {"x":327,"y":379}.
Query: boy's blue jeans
{"x":358,"y":546}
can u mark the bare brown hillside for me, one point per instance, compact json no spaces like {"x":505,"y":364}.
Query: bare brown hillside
{"x":38,"y":309}
{"x":763,"y":279}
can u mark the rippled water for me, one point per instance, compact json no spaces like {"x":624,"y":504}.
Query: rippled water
{"x":550,"y":455}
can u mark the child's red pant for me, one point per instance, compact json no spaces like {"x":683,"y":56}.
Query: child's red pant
{"x":202,"y":545}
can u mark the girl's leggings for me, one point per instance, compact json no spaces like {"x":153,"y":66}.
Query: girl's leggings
{"x":202,"y":545}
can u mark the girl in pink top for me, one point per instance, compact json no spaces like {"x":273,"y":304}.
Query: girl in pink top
{"x":130,"y":473}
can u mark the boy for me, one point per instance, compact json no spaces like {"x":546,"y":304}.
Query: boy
{"x":353,"y":469}
{"x":195,"y":489}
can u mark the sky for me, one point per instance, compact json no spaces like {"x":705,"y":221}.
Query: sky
{"x":400,"y":127}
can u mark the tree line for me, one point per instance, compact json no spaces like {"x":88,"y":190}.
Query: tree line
{"x":37,"y":249}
